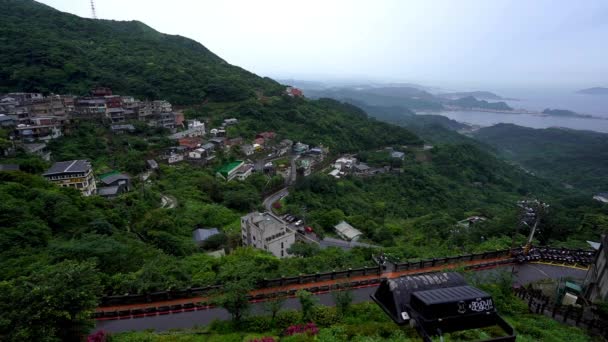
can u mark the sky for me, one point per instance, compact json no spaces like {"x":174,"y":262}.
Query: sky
{"x":460,"y":44}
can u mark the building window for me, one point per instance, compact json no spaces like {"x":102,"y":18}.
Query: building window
{"x":282,"y":245}
{"x":254,"y":238}
{"x":282,"y":253}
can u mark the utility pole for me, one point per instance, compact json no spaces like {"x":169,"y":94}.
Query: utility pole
{"x":532,"y":213}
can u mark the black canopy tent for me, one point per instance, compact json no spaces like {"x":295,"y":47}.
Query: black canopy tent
{"x":438,"y":303}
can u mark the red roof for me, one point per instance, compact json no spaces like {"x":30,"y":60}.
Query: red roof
{"x":190,"y":142}
{"x":266,"y":135}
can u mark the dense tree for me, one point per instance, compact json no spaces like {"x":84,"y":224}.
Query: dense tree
{"x":53,"y":304}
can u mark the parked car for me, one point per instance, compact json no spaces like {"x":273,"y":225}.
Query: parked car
{"x":308,"y":229}
{"x":299,"y":223}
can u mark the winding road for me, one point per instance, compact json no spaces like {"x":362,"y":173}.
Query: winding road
{"x":523,"y":274}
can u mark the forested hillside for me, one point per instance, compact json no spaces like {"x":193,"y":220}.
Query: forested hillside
{"x":60,"y":251}
{"x":45,"y":50}
{"x":577,"y":158}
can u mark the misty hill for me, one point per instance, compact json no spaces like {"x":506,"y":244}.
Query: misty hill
{"x":578,"y":158}
{"x":482,"y":95}
{"x":45,"y":50}
{"x":408,"y":97}
{"x":470,"y":102}
{"x":594,"y":91}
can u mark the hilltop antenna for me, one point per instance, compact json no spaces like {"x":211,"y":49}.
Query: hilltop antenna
{"x":94,"y":15}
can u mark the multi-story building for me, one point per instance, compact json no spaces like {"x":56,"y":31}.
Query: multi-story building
{"x":88,"y":108}
{"x":267,"y":232}
{"x":235,"y":170}
{"x":596,"y":281}
{"x":76,"y":174}
{"x":50,"y":106}
{"x":41,"y":128}
{"x":161,"y":106}
{"x":144,"y":111}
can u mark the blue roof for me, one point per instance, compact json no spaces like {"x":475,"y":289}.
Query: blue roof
{"x":201,"y":234}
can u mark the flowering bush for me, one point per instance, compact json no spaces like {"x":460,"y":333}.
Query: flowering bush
{"x":263,"y":339}
{"x":99,"y":336}
{"x":308,"y":328}
{"x":277,"y":205}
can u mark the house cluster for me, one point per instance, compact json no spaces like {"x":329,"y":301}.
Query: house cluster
{"x":78,"y":174}
{"x":349,"y":165}
{"x":33,"y":117}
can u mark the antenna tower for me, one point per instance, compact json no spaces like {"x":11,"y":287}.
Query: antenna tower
{"x":94,"y":15}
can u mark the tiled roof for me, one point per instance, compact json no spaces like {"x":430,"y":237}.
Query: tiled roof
{"x":70,"y":166}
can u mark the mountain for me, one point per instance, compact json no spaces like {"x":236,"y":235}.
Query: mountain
{"x":45,"y":50}
{"x":594,"y":91}
{"x":408,"y":97}
{"x":470,"y":102}
{"x":578,"y":158}
{"x":483,"y":95}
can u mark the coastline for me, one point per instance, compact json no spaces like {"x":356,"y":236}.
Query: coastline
{"x":512,"y":112}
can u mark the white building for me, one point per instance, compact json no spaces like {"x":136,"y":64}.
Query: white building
{"x":347,"y":232}
{"x":267,"y":232}
{"x":344,"y":163}
{"x":191,"y":132}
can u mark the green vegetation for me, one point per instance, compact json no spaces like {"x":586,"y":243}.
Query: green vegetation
{"x":367,"y":322}
{"x":46,"y":50}
{"x":60,"y":251}
{"x":577,"y":158}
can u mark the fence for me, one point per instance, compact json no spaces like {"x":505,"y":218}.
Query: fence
{"x":540,"y":304}
{"x":422,"y":266}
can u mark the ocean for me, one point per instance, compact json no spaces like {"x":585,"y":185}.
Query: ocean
{"x":537,"y":100}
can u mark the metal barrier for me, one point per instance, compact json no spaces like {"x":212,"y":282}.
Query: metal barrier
{"x":579,"y":257}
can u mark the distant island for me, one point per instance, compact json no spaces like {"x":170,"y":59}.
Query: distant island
{"x":471,"y":102}
{"x":564,"y":112}
{"x":483,"y":95}
{"x":480,"y":95}
{"x":594,"y":91}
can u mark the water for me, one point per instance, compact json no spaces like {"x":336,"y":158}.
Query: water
{"x":537,"y":100}
{"x":527,"y":120}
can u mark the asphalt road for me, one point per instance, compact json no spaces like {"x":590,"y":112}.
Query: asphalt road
{"x":268,"y":201}
{"x":524,"y":274}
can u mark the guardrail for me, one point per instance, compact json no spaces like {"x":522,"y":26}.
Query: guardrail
{"x":540,"y":304}
{"x":509,"y":256}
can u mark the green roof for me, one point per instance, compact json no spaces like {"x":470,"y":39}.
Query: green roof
{"x":108,"y":174}
{"x":226,"y":168}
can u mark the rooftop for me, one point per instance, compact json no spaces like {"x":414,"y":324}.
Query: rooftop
{"x":108,"y":190}
{"x":70,"y":166}
{"x":227,"y":168}
{"x":202,"y":234}
{"x":347,"y":231}
{"x":112,"y":177}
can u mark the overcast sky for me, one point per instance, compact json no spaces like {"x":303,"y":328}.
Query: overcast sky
{"x":457,"y":43}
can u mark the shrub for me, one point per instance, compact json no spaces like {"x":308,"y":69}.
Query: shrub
{"x":99,"y":336}
{"x":308,"y":329}
{"x":257,"y":324}
{"x":286,"y":318}
{"x":325,"y":316}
